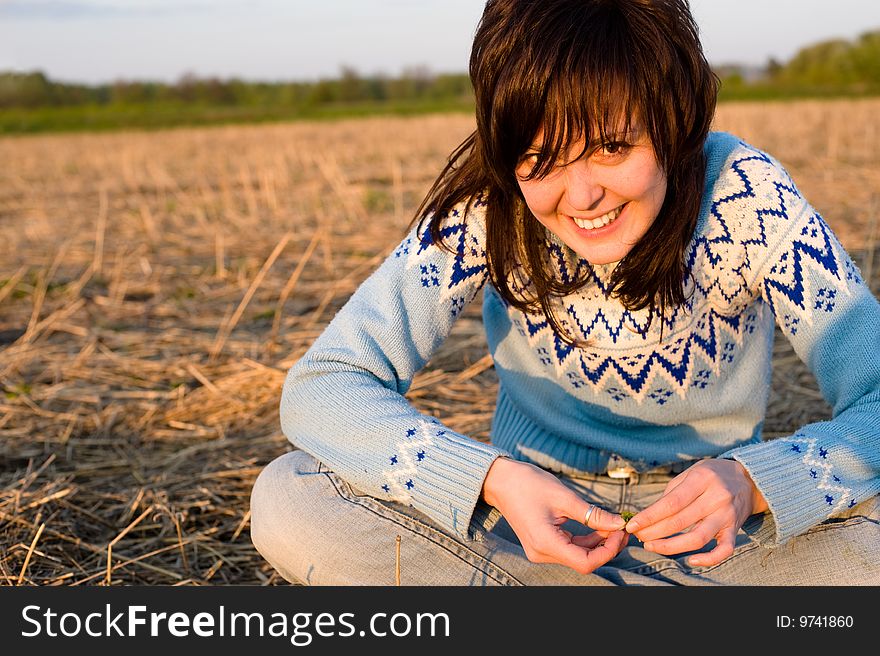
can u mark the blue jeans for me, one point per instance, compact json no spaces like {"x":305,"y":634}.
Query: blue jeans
{"x":314,"y":528}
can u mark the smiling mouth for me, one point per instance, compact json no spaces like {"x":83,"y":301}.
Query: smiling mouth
{"x":600,"y":221}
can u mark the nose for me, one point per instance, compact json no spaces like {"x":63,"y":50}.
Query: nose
{"x":583,"y":190}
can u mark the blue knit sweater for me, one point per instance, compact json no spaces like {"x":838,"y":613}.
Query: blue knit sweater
{"x":759,"y":254}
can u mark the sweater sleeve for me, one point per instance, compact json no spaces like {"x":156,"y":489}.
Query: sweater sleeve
{"x":344,"y":403}
{"x":824,"y":308}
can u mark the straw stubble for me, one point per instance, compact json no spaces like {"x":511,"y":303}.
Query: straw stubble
{"x":156,"y":287}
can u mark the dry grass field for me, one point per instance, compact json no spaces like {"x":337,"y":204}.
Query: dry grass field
{"x":155,"y":287}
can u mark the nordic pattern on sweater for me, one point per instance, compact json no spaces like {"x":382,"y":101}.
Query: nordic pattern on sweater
{"x":759,"y":252}
{"x":724,"y":264}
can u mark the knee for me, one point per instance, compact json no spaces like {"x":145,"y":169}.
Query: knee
{"x":277,"y":503}
{"x":264,"y":500}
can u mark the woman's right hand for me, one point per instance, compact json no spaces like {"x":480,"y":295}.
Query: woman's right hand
{"x":536,"y":505}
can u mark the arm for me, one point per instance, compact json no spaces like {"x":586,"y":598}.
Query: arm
{"x":796,"y":266}
{"x":343,"y":400}
{"x":832,"y":320}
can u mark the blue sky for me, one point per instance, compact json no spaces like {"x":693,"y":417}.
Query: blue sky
{"x":103,"y":40}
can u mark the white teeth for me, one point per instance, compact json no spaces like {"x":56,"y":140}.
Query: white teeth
{"x":604,"y":220}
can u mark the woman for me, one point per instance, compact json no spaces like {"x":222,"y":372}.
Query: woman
{"x":635,"y":265}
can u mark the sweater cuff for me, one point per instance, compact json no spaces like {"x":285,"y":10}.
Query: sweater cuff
{"x":450,"y":488}
{"x":781,"y":481}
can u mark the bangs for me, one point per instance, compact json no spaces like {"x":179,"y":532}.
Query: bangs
{"x":588,"y":109}
{"x":577,"y":82}
{"x":559,"y":78}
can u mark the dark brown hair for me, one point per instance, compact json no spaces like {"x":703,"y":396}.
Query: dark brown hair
{"x":581,"y":69}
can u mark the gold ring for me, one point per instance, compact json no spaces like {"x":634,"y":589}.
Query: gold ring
{"x":587,"y":514}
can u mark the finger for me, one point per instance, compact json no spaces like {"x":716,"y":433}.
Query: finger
{"x":680,"y":521}
{"x":697,"y":538}
{"x":596,"y":538}
{"x":572,"y":555}
{"x":585,"y":559}
{"x":590,"y":541}
{"x":607,"y":550}
{"x":624,"y":541}
{"x":722,"y":551}
{"x":666,"y":506}
{"x":599,"y":519}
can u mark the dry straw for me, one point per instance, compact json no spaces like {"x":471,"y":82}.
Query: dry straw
{"x":156,"y":287}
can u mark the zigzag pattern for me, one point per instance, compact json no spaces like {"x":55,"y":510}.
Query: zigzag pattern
{"x":758,"y":238}
{"x":794,"y":289}
{"x":835,"y":494}
{"x":674,"y":363}
{"x":755,"y":206}
{"x":459,"y":278}
{"x":401,"y":476}
{"x":813,"y":252}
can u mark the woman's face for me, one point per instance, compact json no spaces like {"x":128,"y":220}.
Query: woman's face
{"x":600,"y":204}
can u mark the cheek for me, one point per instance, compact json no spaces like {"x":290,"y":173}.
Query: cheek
{"x":649,"y":190}
{"x":656,"y":182}
{"x":541,"y":197}
{"x":658,"y":191}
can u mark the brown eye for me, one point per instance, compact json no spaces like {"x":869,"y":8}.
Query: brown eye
{"x":614,"y":149}
{"x":527,"y":164}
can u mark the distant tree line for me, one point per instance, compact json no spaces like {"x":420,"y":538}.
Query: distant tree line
{"x":854,"y":65}
{"x":826,"y":68}
{"x":33,"y":90}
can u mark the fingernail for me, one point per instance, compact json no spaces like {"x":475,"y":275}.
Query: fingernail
{"x":632,"y":527}
{"x":619,"y":523}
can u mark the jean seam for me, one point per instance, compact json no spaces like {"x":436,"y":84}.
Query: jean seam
{"x":648,"y":570}
{"x":819,"y":528}
{"x":428,"y":532}
{"x":833,"y":523}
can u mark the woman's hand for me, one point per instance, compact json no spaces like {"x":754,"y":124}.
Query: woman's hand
{"x":536,"y":504}
{"x":709,"y":500}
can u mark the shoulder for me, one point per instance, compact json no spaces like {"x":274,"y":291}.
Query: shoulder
{"x":749,"y":195}
{"x":749,"y":203}
{"x":446,"y":250}
{"x":740,"y":172}
{"x":765,"y":229}
{"x":461,"y":228}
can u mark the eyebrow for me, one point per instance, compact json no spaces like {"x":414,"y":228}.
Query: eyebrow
{"x":632,"y":135}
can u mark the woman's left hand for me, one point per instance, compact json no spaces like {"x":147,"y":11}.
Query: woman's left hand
{"x":711,"y":499}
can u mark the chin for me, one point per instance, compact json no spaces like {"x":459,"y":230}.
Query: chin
{"x":602,"y":258}
{"x":605,"y":260}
